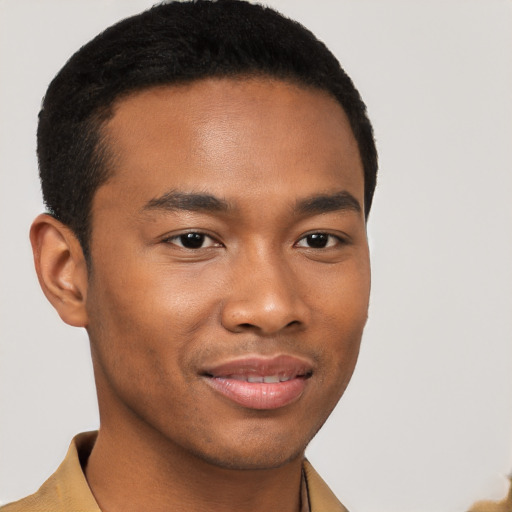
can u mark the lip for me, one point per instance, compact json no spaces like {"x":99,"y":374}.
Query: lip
{"x":260,"y":382}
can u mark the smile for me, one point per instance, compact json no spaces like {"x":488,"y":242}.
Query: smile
{"x":270,"y":379}
{"x":260,"y":383}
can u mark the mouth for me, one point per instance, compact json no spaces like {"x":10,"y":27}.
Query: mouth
{"x":260,"y":383}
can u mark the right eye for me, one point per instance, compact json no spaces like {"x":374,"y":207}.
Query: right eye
{"x":192,"y":240}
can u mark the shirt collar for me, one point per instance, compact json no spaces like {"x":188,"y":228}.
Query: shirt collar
{"x":67,"y":489}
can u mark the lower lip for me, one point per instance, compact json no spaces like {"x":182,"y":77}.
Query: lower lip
{"x":259,"y":395}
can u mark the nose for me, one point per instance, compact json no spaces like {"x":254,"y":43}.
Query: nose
{"x":265,"y":297}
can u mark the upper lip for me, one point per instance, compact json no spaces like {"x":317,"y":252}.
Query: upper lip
{"x":282,"y":365}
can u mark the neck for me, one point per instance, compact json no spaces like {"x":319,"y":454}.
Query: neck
{"x":133,"y":470}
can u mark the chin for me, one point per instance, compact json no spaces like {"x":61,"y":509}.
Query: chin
{"x":254,"y":449}
{"x":259,"y":460}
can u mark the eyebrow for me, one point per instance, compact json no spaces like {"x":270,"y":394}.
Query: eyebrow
{"x":325,"y":203}
{"x":195,"y":202}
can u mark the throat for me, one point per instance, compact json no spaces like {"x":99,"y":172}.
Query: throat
{"x":126,"y":475}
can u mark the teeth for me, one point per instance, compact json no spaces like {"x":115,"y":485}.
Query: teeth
{"x":269,"y":379}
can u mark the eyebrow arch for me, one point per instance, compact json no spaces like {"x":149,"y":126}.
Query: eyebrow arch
{"x":325,"y":203}
{"x":187,"y":201}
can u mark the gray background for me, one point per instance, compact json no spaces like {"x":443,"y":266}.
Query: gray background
{"x":426,"y":423}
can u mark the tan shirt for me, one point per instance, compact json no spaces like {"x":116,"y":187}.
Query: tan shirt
{"x":67,"y":489}
{"x":505,"y":505}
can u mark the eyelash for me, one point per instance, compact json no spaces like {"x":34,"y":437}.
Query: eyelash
{"x":318,"y":236}
{"x":338,"y":240}
{"x":174,"y":238}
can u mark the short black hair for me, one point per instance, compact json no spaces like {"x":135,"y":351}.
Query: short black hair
{"x":172,"y":43}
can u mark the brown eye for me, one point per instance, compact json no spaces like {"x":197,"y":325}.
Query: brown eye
{"x":319,"y":241}
{"x":192,"y":240}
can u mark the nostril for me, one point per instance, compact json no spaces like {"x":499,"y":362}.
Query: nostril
{"x":264,"y":314}
{"x":245,"y":326}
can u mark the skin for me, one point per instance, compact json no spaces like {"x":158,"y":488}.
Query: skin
{"x":158,"y":313}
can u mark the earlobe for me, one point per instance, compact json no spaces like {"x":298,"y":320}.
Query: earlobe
{"x":61,"y":268}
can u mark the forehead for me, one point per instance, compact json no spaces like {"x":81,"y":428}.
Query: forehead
{"x":227,"y":134}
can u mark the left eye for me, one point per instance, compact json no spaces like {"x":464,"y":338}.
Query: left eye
{"x":318,"y":241}
{"x":192,"y":241}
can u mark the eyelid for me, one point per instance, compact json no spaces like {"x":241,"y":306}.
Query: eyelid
{"x":170,"y":239}
{"x":340,"y":239}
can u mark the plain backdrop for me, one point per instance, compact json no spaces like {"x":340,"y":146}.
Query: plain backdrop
{"x":426,"y":424}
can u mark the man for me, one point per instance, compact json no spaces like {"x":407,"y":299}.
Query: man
{"x":208,"y":170}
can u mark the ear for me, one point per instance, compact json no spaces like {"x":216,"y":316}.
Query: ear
{"x":61,"y":268}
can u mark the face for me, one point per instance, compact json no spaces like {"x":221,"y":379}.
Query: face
{"x":230,"y":270}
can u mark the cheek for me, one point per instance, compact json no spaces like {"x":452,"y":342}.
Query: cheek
{"x":141,"y":330}
{"x":141,"y":295}
{"x":341,"y":314}
{"x":146,"y":320}
{"x":342,"y":295}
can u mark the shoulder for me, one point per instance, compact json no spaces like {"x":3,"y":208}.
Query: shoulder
{"x":321,"y":498}
{"x":67,"y":488}
{"x":33,"y":503}
{"x":505,"y":505}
